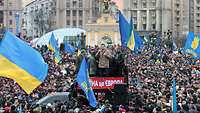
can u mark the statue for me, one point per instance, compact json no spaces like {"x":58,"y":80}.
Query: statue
{"x":109,"y":7}
{"x":106,"y":5}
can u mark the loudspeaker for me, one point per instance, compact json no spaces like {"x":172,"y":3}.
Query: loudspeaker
{"x":121,"y":94}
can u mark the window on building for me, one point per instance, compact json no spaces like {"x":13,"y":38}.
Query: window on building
{"x":135,"y":4}
{"x":68,"y":12}
{"x":80,"y":13}
{"x":68,"y":22}
{"x":80,"y":3}
{"x":144,"y":19}
{"x":74,"y":12}
{"x":51,"y":4}
{"x":10,"y":13}
{"x":144,"y":4}
{"x":135,"y":19}
{"x":198,"y":1}
{"x":74,"y":23}
{"x":177,"y":19}
{"x":10,"y":22}
{"x":74,"y":3}
{"x":135,"y":26}
{"x":153,"y":26}
{"x":80,"y":22}
{"x":144,"y":26}
{"x":1,"y":16}
{"x":177,"y":5}
{"x":153,"y":3}
{"x":1,"y":2}
{"x":10,"y":4}
{"x":68,"y":4}
{"x":198,"y":8}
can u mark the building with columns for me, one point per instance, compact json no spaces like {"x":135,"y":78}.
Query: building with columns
{"x":194,"y":18}
{"x":149,"y":15}
{"x":179,"y":16}
{"x":10,"y":14}
{"x":76,"y":13}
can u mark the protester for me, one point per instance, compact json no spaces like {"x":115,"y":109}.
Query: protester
{"x":149,"y":73}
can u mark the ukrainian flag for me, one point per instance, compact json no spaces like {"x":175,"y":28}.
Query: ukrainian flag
{"x":57,"y":57}
{"x":20,"y":62}
{"x":192,"y":45}
{"x":129,"y":38}
{"x":53,"y":46}
{"x":125,"y":29}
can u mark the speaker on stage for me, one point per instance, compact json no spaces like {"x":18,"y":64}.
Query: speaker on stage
{"x":121,"y":94}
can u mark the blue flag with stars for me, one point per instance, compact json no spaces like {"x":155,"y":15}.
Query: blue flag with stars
{"x":84,"y":83}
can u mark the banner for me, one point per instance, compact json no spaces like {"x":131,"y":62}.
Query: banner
{"x":106,"y":82}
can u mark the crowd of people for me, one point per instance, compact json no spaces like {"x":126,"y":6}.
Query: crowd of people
{"x":149,"y":71}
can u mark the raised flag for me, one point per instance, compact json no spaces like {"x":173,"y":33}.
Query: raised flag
{"x":192,"y":45}
{"x":20,"y":62}
{"x":69,"y":48}
{"x":84,"y":83}
{"x":129,"y":38}
{"x":53,"y":46}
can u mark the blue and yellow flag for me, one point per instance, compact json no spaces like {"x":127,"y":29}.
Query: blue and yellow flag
{"x":174,"y":96}
{"x":20,"y":62}
{"x":192,"y":45}
{"x":57,"y":57}
{"x":125,"y":29}
{"x":129,"y":38}
{"x":53,"y":46}
{"x":84,"y":83}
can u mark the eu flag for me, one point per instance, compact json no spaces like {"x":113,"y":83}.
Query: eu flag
{"x":20,"y":62}
{"x":174,"y":96}
{"x":69,"y":48}
{"x":84,"y":83}
{"x":192,"y":45}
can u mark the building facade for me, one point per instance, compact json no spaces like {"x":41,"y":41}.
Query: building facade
{"x":76,"y":13}
{"x":149,"y":15}
{"x":58,"y":14}
{"x":10,"y":14}
{"x":39,"y":18}
{"x":194,"y":13}
{"x":178,"y":16}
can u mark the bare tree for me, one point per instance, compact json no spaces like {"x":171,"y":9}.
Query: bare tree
{"x":43,"y":20}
